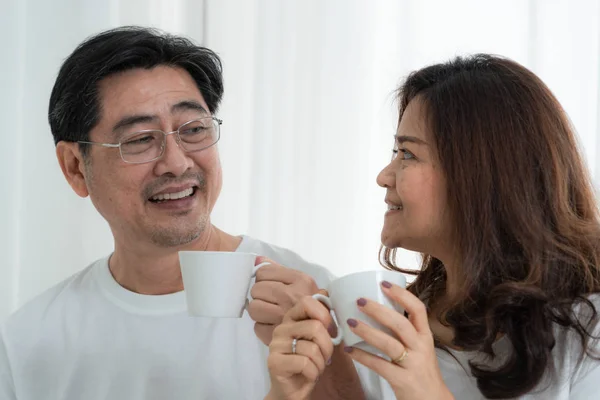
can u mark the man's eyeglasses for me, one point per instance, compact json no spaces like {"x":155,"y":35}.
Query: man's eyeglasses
{"x":149,"y":145}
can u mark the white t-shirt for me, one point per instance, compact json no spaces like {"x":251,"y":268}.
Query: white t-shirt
{"x":575,"y":379}
{"x":88,"y":338}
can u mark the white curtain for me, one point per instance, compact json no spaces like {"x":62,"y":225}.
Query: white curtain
{"x":308,"y":112}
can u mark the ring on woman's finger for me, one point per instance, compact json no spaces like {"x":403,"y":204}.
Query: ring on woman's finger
{"x":402,"y":357}
{"x":294,"y":345}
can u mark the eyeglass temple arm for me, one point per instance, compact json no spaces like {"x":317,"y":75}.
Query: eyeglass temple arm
{"x":112,"y":145}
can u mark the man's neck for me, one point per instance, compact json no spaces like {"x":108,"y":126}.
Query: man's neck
{"x":155,"y":271}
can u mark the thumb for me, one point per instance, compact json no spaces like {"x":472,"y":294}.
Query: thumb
{"x":324,"y":292}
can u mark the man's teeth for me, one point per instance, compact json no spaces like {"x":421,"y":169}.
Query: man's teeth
{"x":173,"y":196}
{"x":394,"y":208}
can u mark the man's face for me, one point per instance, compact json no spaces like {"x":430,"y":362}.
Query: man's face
{"x":126,"y":195}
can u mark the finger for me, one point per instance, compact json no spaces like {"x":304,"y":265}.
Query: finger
{"x":317,"y":355}
{"x":310,"y":308}
{"x":264,"y":332}
{"x":277,"y":273}
{"x":289,"y":365}
{"x":417,"y":312}
{"x":262,"y":259}
{"x":265,"y":313}
{"x":389,"y":371}
{"x":392,"y":319}
{"x":389,"y":345}
{"x":270,"y":292}
{"x":304,"y":348}
{"x":309,"y":329}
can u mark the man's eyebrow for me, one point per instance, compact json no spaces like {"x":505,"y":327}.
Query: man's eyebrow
{"x":133,"y":120}
{"x":186,"y":105}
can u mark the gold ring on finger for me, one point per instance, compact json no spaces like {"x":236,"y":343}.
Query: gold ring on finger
{"x":399,"y":360}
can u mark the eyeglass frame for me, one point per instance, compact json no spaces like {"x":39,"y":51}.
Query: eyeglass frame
{"x":164,"y":142}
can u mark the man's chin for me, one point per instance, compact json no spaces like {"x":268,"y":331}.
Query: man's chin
{"x":168,"y":241}
{"x":168,"y":238}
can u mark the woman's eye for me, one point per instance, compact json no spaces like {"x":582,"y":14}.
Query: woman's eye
{"x":404,"y":154}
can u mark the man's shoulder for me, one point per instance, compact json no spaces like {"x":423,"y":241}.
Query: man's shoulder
{"x":288,"y":258}
{"x":33,"y":312}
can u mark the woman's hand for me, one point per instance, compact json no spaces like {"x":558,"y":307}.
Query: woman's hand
{"x":300,"y":350}
{"x":413,"y":372}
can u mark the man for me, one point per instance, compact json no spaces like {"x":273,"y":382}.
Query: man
{"x":132,"y":113}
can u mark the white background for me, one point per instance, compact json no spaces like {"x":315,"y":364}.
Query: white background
{"x":308,"y":112}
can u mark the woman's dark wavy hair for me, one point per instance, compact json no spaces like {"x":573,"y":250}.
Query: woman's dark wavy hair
{"x":524,"y":215}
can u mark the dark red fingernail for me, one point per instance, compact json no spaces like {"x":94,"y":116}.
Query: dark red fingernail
{"x":329,"y":362}
{"x":348,"y":349}
{"x":352,"y":322}
{"x":361,"y":302}
{"x":386,"y":284}
{"x":331,"y":329}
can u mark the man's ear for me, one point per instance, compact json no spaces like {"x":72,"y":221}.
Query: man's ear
{"x":72,"y":164}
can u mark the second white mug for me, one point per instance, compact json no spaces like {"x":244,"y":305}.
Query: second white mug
{"x":343,"y":294}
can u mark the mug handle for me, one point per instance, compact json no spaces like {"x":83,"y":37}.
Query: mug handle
{"x":327,"y":302}
{"x":257,"y":267}
{"x":254,"y":270}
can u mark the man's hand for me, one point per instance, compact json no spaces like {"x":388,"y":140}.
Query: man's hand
{"x":277,"y":289}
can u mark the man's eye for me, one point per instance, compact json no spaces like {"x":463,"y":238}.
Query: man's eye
{"x":139,"y":140}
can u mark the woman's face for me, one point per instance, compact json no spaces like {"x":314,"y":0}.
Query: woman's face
{"x":416,"y":189}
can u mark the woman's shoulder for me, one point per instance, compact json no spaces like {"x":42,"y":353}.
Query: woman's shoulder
{"x":586,"y":312}
{"x":576,"y":357}
{"x":583,"y":308}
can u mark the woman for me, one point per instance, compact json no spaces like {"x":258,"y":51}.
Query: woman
{"x":487,"y":183}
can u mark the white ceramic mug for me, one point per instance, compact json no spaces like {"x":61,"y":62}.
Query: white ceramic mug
{"x":343,"y":294}
{"x":216,"y":283}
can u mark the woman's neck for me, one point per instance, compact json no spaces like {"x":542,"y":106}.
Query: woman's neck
{"x":443,"y":334}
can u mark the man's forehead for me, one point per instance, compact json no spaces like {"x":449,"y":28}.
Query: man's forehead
{"x":161,"y":90}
